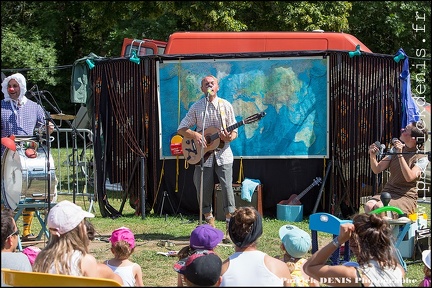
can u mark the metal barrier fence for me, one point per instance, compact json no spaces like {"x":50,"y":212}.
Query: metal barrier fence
{"x":72,"y":152}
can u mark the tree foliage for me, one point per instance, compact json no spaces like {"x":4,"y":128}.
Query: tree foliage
{"x":43,"y":37}
{"x":18,"y":51}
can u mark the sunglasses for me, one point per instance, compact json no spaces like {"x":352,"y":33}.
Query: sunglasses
{"x":403,"y":130}
{"x":17,"y":232}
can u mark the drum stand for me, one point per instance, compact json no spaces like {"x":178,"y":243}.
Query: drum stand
{"x":37,"y":206}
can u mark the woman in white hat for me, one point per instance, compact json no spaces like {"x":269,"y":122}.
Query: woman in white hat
{"x":67,"y":248}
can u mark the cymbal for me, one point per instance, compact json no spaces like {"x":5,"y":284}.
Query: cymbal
{"x":62,"y":117}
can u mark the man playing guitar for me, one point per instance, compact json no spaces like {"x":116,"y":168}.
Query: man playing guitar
{"x":212,"y":111}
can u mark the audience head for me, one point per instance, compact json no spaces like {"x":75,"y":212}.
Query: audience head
{"x":67,"y":225}
{"x":205,"y":237}
{"x":296,"y":241}
{"x":9,"y":231}
{"x":66,"y":216}
{"x":372,"y":239}
{"x":245,"y":226}
{"x":202,"y":268}
{"x":122,"y":242}
{"x":426,"y":258}
{"x":91,"y":232}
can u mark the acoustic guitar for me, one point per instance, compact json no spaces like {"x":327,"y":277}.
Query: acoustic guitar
{"x":295,"y":199}
{"x":192,"y":150}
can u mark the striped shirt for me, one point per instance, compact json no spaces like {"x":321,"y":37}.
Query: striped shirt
{"x":194,"y":118}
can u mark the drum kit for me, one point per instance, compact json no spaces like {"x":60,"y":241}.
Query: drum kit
{"x":24,"y":171}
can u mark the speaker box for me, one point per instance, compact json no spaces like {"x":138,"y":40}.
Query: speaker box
{"x":256,"y":200}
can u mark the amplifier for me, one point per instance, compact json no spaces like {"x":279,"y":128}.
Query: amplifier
{"x":256,"y":200}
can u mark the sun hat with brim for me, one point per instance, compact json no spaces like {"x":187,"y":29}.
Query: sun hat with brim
{"x":296,"y":241}
{"x":426,"y":257}
{"x":65,"y":216}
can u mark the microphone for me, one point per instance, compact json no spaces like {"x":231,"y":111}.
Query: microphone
{"x":393,"y":140}
{"x":30,"y":94}
{"x":209,"y":90}
{"x":381,"y":152}
{"x":381,"y":147}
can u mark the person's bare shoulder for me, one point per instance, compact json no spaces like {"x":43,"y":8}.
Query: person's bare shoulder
{"x":103,"y":271}
{"x":278,"y":267}
{"x":137,"y":269}
{"x":91,"y":268}
{"x":88,"y":262}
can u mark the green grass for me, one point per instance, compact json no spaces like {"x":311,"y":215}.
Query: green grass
{"x":157,"y":269}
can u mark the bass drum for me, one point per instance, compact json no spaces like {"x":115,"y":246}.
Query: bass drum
{"x":26,"y":179}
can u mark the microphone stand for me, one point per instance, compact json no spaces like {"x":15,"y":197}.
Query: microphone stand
{"x":74,"y":146}
{"x":202,"y":161}
{"x":401,"y":153}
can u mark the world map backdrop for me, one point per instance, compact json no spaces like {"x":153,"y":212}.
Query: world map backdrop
{"x":292,"y":91}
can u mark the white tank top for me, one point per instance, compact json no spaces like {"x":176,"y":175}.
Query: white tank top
{"x":248,"y":269}
{"x":125,"y":272}
{"x":382,"y":277}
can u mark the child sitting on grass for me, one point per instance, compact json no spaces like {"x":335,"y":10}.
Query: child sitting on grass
{"x":122,"y":246}
{"x":204,"y":238}
{"x":295,"y":243}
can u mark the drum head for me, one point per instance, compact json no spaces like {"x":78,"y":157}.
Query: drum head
{"x":12,"y":179}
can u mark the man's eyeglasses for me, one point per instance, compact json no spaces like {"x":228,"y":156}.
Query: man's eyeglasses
{"x":17,"y":232}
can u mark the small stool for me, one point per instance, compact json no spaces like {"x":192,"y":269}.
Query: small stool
{"x":328,"y":223}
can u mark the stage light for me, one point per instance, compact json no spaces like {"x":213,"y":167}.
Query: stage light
{"x":134,"y":58}
{"x":90,"y":63}
{"x":355,"y":53}
{"x":398,"y":57}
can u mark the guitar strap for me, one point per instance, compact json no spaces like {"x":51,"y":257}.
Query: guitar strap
{"x":222,"y":113}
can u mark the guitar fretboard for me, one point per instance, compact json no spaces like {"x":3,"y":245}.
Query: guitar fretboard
{"x":315,"y":182}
